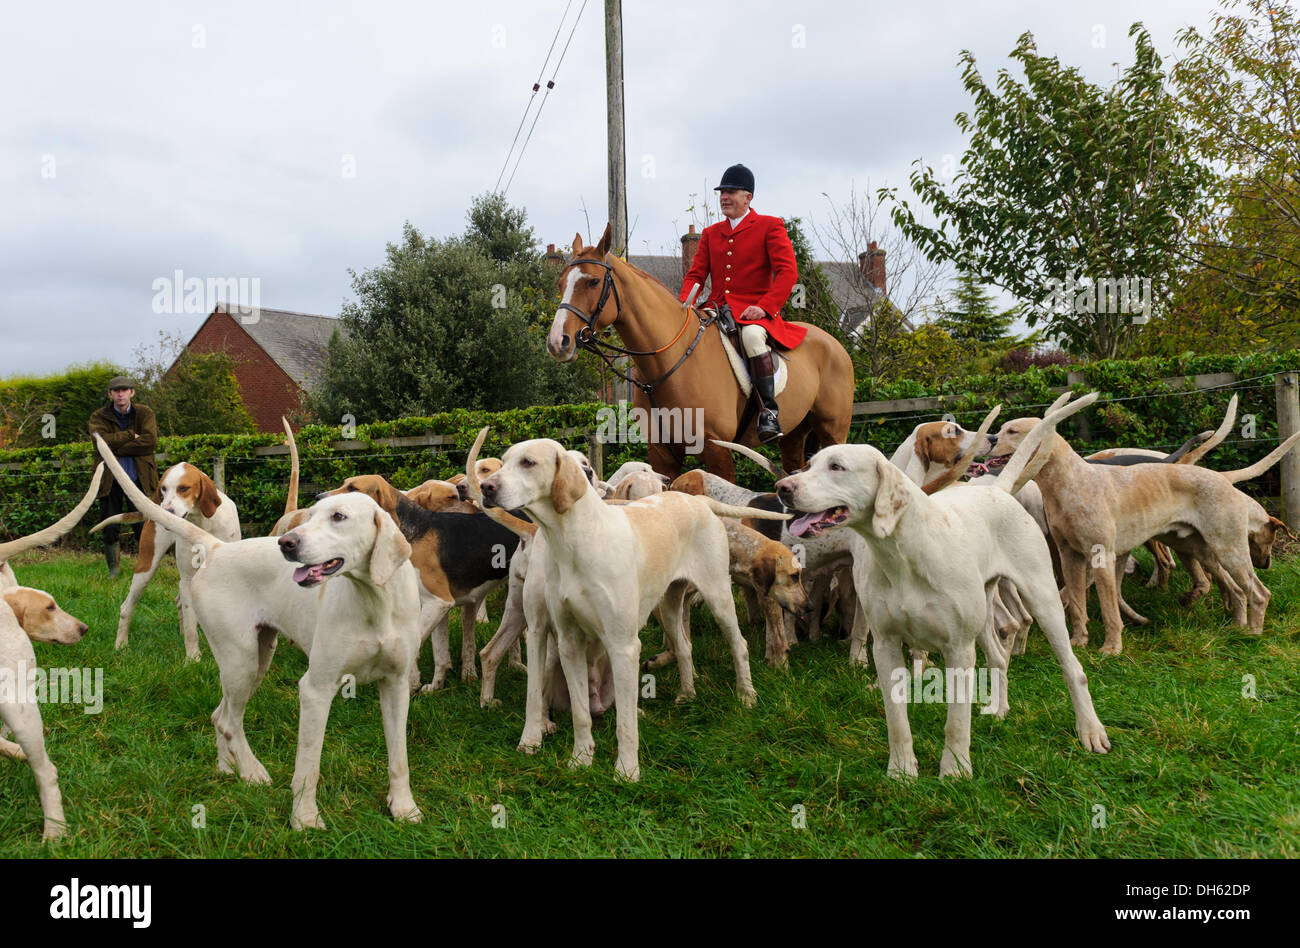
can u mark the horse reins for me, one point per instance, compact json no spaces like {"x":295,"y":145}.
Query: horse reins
{"x":586,"y":337}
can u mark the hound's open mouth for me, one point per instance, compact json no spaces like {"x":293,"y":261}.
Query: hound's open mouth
{"x":993,"y":464}
{"x":812,"y":524}
{"x":978,"y":469}
{"x":311,"y":575}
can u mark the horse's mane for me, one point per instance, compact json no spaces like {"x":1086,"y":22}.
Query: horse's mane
{"x":653,"y":280}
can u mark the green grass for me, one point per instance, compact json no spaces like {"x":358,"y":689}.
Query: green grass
{"x":1195,"y":768}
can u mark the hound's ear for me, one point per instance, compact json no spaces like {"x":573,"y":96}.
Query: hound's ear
{"x":764,"y":574}
{"x":577,"y":244}
{"x":602,"y":248}
{"x":892,"y":498}
{"x":386,"y":495}
{"x":389,"y":551}
{"x":569,"y":484}
{"x":921,"y":447}
{"x":17,"y":601}
{"x":209,"y":496}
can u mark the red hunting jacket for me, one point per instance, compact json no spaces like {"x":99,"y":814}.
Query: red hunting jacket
{"x":752,"y":265}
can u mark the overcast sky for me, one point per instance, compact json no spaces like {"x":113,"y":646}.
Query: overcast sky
{"x":288,"y":142}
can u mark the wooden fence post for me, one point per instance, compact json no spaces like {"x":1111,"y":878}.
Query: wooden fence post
{"x":1287,"y":385}
{"x":219,"y":473}
{"x":596,"y":454}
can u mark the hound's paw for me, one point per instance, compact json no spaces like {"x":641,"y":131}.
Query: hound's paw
{"x":121,"y":643}
{"x":548,"y":727}
{"x":529,"y":747}
{"x":405,"y":811}
{"x":902,"y":769}
{"x":1093,"y":736}
{"x":1112,"y":648}
{"x":630,"y":774}
{"x":685,"y":697}
{"x":306,"y":821}
{"x":431,"y":687}
{"x":778,"y":661}
{"x":582,"y":756}
{"x":489,"y":702}
{"x":950,"y":765}
{"x":53,"y":831}
{"x":748,"y":697}
{"x":257,"y":774}
{"x":1079,"y":641}
{"x":469,"y":673}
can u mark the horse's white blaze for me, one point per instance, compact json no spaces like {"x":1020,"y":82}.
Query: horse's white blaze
{"x":555,"y":341}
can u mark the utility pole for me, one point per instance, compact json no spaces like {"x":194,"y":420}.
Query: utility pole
{"x":614,"y":110}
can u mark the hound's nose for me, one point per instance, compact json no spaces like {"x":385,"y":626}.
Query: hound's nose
{"x":993,"y":439}
{"x":288,"y":545}
{"x":462,"y":490}
{"x":82,"y":628}
{"x":785,"y":491}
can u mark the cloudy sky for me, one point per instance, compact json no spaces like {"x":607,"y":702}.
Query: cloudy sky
{"x":288,"y":142}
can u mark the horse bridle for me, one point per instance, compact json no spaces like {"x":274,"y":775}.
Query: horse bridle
{"x":586,"y":337}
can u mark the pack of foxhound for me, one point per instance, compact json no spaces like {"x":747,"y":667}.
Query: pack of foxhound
{"x":911,"y":553}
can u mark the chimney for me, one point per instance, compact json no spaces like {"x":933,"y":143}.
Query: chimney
{"x":872,"y":262}
{"x":554,"y":258}
{"x":690,"y":243}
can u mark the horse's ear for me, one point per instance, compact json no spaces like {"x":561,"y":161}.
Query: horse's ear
{"x":577,"y":244}
{"x":602,"y":248}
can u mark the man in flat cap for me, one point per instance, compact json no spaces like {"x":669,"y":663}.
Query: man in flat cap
{"x":132,"y":433}
{"x":750,"y":260}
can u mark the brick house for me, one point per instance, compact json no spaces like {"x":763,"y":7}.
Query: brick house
{"x":278,"y":354}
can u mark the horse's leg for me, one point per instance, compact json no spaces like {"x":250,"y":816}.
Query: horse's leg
{"x":719,"y":461}
{"x":664,"y":460}
{"x":792,"y":445}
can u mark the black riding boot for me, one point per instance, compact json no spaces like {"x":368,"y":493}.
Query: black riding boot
{"x":111,"y":551}
{"x":762,"y":368}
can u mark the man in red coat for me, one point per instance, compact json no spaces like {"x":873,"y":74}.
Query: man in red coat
{"x":750,"y":261}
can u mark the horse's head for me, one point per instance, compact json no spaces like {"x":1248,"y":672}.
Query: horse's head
{"x":588,"y":300}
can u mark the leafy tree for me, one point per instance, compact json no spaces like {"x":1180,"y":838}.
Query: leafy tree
{"x":443,"y":324}
{"x":1240,"y":90}
{"x":971,"y":317}
{"x":1065,"y":180}
{"x":190,"y":392}
{"x":812,"y":300}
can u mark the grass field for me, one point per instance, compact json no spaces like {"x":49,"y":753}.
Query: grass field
{"x":1196,"y":769}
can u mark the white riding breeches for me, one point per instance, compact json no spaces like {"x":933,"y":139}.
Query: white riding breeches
{"x":753,"y":339}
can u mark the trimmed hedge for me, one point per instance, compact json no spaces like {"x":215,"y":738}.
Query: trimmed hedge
{"x":1137,"y":410}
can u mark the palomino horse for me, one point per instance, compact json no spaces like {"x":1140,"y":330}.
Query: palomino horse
{"x":681,"y":364}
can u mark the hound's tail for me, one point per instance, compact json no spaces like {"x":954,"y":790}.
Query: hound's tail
{"x":195,"y":536}
{"x":521,"y":528}
{"x":1264,"y":463}
{"x":291,"y":501}
{"x":1222,"y":432}
{"x":730,"y":510}
{"x":54,"y":530}
{"x":131,"y":517}
{"x":1027,"y":460}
